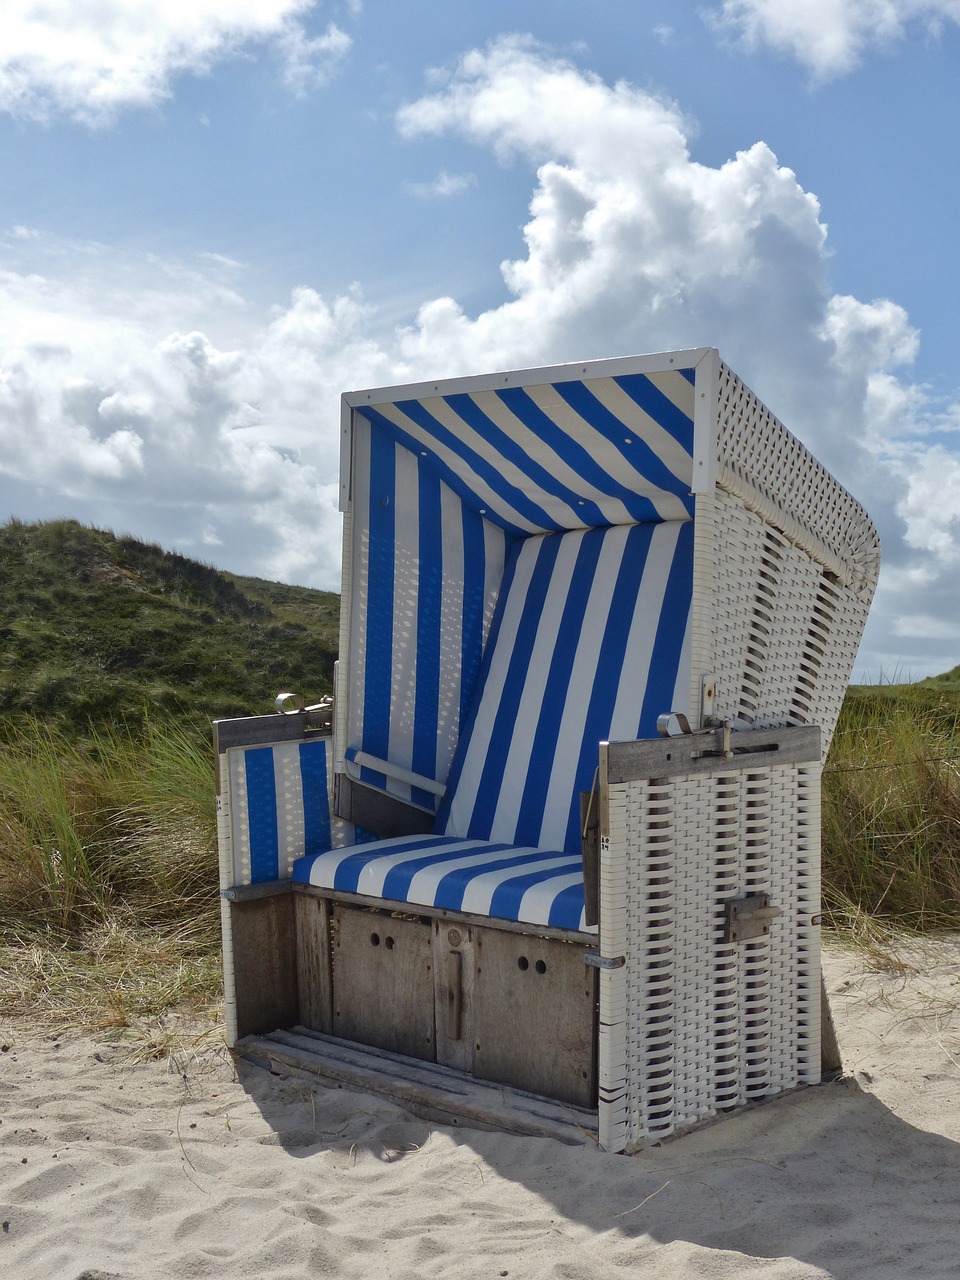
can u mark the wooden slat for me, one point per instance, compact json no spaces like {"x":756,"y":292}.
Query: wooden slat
{"x":534,"y":1016}
{"x":383,"y":981}
{"x":250,"y":892}
{"x":437,"y":1093}
{"x":314,"y":977}
{"x":698,"y":753}
{"x":384,"y":815}
{"x":453,"y":982}
{"x":831,"y":1063}
{"x":264,"y":964}
{"x":413,"y":910}
{"x":255,"y":731}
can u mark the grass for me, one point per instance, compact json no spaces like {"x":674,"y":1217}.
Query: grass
{"x":114,"y":657}
{"x":891,"y":810}
{"x":97,"y":629}
{"x":108,"y":874}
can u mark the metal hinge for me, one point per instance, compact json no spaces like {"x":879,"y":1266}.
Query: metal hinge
{"x":596,"y":961}
{"x":674,"y":724}
{"x":290,"y":704}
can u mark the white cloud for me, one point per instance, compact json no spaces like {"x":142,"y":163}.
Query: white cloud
{"x":308,"y":62}
{"x":830,"y":37}
{"x":89,"y":59}
{"x":930,"y":504}
{"x":151,"y":384}
{"x":630,"y":243}
{"x":443,"y":185}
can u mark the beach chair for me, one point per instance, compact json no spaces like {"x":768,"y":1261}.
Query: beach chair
{"x":551,"y":853}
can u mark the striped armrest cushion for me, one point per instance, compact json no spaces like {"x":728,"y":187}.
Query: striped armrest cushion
{"x":281,"y":801}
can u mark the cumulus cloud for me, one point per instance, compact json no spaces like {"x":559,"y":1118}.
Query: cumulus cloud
{"x":831,"y":37}
{"x":630,"y":244}
{"x":89,"y":59}
{"x":106,"y":404}
{"x":128,"y":388}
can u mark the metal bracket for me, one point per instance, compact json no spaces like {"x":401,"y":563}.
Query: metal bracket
{"x":748,"y":917}
{"x":708,"y":699}
{"x":290,"y":704}
{"x":596,"y":961}
{"x":674,"y":724}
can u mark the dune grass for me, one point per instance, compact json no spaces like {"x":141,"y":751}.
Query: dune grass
{"x":108,"y":874}
{"x":891,"y":810}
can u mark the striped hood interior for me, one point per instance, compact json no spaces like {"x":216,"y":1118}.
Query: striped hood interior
{"x":474,"y":516}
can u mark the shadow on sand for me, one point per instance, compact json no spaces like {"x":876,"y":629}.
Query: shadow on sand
{"x":827,"y":1176}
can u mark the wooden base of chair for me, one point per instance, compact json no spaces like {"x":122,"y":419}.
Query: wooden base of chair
{"x":501,"y":1005}
{"x":508,"y":1007}
{"x":513,"y":1007}
{"x":434,"y":1092}
{"x":265,"y":962}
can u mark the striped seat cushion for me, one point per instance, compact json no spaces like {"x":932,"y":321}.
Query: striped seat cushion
{"x":534,"y":886}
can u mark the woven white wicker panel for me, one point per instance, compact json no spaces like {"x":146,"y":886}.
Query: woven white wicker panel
{"x":771,"y":625}
{"x":756,"y":449}
{"x":692,"y":1026}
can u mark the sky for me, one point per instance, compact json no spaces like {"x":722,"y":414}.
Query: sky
{"x":217,"y":215}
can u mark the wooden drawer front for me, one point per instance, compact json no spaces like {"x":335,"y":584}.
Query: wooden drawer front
{"x":534,"y":1016}
{"x":383,"y":981}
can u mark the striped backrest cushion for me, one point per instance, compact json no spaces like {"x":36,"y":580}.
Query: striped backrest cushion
{"x":589,"y":641}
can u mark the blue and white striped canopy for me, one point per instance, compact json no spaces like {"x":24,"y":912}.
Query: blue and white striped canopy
{"x":564,"y":455}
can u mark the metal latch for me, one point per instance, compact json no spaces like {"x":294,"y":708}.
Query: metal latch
{"x":596,"y":961}
{"x":674,"y":724}
{"x":748,"y":917}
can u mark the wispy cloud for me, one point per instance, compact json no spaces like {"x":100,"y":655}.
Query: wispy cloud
{"x":90,"y":59}
{"x":309,"y":62}
{"x":831,"y":38}
{"x":443,"y":185}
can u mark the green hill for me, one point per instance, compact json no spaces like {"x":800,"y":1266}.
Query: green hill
{"x":99,"y":629}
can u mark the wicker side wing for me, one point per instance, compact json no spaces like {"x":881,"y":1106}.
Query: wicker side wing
{"x":692,"y":1023}
{"x":786,"y":567}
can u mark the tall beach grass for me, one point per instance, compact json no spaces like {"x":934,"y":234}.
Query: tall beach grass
{"x":108,"y":872}
{"x":891,"y":810}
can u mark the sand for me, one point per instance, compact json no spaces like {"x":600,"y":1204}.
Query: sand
{"x":196,"y":1166}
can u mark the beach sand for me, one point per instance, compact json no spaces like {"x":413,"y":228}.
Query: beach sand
{"x":192,"y":1165}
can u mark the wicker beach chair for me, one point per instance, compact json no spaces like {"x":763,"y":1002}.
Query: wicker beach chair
{"x":559,"y":831}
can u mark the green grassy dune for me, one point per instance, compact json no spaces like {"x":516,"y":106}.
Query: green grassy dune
{"x":96,"y":629}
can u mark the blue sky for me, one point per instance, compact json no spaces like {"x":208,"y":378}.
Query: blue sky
{"x":217,"y":215}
